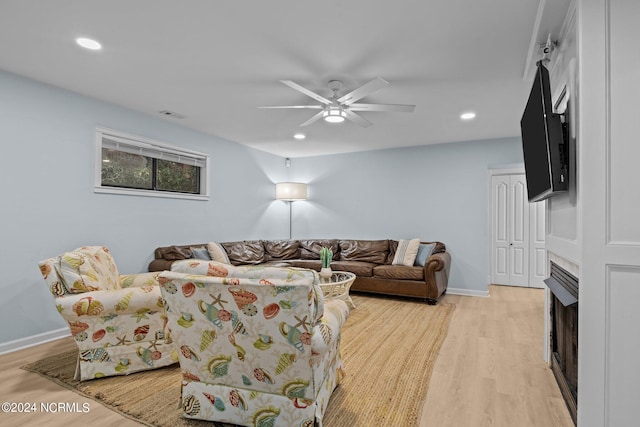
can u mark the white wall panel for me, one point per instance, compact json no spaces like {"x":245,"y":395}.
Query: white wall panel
{"x":623,"y":344}
{"x":624,"y":148}
{"x":609,"y":378}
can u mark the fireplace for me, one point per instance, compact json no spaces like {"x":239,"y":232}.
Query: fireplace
{"x":564,"y":333}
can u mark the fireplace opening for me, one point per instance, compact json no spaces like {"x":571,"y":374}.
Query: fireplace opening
{"x":564,"y":334}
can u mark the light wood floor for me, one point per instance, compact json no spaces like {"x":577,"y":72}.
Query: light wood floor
{"x":489,"y":372}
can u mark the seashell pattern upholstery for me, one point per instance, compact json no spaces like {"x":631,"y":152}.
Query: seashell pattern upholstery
{"x":259,"y":345}
{"x":118,"y":321}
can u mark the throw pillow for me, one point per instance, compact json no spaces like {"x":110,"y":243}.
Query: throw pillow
{"x":406,"y":252}
{"x":217,"y":252}
{"x":424,"y":252}
{"x":201,"y":253}
{"x":88,"y":268}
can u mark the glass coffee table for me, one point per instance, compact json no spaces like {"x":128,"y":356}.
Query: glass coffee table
{"x":338,"y":286}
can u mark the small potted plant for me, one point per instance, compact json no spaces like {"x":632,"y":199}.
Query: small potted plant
{"x":326,"y":256}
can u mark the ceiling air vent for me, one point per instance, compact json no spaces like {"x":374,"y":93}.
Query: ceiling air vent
{"x":172,"y":114}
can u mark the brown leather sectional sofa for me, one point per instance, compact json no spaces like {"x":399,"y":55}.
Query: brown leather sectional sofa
{"x":369,"y":260}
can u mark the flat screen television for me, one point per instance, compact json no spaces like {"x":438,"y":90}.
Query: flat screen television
{"x":543,"y":142}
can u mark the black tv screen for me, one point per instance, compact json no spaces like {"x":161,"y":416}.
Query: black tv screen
{"x":543,"y":143}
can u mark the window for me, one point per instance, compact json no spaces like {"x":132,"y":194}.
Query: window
{"x":127,"y":164}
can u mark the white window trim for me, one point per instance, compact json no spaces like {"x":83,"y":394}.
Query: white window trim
{"x":143,"y":142}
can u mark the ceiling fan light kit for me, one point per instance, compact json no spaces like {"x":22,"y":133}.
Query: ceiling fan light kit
{"x":336,"y":109}
{"x":333,"y":115}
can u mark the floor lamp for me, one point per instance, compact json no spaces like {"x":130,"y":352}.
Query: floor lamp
{"x":290,"y":192}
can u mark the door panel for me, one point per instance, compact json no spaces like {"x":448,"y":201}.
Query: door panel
{"x":518,"y":234}
{"x":519,"y":231}
{"x":500,"y":224}
{"x":538,"y":263}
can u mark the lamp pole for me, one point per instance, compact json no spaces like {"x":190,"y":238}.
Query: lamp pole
{"x":290,"y":218}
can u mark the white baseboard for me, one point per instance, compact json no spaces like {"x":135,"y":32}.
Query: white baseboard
{"x":19,"y":344}
{"x":468,"y":292}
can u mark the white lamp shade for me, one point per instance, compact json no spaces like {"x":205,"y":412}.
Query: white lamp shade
{"x":291,"y":191}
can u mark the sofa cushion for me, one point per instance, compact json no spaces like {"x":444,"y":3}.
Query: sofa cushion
{"x":245,"y":252}
{"x":375,"y":251}
{"x":399,"y":272}
{"x":313,"y":264}
{"x":160,"y":252}
{"x":282,"y":249}
{"x":217,"y":252}
{"x":160,"y":265}
{"x":310,"y":249}
{"x":276,"y":263}
{"x":359,"y":268}
{"x":406,"y":252}
{"x":174,"y":253}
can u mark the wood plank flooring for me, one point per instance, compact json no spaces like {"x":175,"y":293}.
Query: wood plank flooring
{"x":489,"y":372}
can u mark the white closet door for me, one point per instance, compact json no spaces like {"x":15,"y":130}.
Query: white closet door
{"x":519,"y":231}
{"x":511,"y":243}
{"x":500,"y":260}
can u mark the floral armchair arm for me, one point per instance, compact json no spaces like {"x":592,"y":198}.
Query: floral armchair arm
{"x":139,"y":280}
{"x":138,"y":301}
{"x":327,"y":331}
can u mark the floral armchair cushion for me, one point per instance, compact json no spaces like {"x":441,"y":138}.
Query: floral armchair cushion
{"x":118,"y":322}
{"x":89,"y":268}
{"x":253,"y":349}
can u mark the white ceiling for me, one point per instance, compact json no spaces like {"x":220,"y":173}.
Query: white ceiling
{"x":216,"y":62}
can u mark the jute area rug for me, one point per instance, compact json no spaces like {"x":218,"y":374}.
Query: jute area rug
{"x":389,"y":347}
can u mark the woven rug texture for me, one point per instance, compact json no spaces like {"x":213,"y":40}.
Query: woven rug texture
{"x":389,"y":347}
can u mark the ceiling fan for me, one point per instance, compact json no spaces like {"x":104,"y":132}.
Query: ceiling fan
{"x":338,"y":108}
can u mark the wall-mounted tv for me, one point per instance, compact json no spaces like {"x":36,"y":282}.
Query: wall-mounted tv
{"x":543,"y":142}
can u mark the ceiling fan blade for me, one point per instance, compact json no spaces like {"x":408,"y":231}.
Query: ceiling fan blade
{"x":357,"y":119}
{"x":362,"y":91}
{"x":313,"y":107}
{"x":402,"y":108}
{"x":306,"y":91}
{"x":313,"y":118}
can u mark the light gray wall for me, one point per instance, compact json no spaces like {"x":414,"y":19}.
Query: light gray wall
{"x":48,"y":205}
{"x":434,"y":192}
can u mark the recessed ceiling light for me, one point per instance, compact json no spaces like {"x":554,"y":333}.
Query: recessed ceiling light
{"x":468,"y":116}
{"x":88,"y":43}
{"x":299,"y":136}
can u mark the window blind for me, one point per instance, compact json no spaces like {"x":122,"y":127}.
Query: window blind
{"x":111,"y":142}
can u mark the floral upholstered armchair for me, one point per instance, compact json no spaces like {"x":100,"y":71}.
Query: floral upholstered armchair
{"x":259,"y":346}
{"x":118,"y":322}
